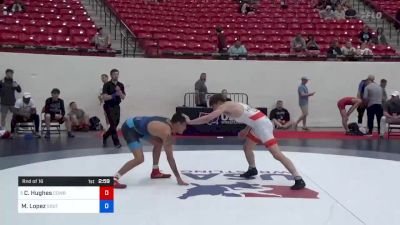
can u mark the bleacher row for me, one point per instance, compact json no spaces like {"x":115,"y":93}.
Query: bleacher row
{"x":48,"y":23}
{"x":189,"y":26}
{"x":181,"y":25}
{"x":389,"y":6}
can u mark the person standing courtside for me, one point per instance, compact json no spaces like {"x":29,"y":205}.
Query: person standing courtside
{"x":113,"y":94}
{"x":303,"y":102}
{"x":104,"y":80}
{"x":201,"y":91}
{"x":8,"y":87}
{"x":360,"y":94}
{"x":373,"y":98}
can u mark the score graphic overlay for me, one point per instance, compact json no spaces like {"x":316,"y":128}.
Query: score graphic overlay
{"x":65,"y":195}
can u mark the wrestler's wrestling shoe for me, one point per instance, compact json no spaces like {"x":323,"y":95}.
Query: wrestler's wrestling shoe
{"x":118,"y":185}
{"x":249,"y":173}
{"x":298,"y":184}
{"x":156,"y":174}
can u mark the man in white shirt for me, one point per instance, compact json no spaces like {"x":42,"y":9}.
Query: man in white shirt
{"x":25,"y":111}
{"x":348,"y":49}
{"x":364,"y":50}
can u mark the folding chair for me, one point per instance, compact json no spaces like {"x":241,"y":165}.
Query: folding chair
{"x":24,"y":127}
{"x":55,"y":127}
{"x":392,"y":127}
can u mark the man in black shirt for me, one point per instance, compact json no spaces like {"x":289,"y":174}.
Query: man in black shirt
{"x":365,"y":35}
{"x":334,"y":50}
{"x":8,"y":87}
{"x":280,"y":116}
{"x":55,"y":111}
{"x":113,"y":93}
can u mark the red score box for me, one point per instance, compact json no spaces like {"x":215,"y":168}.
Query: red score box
{"x":106,"y":193}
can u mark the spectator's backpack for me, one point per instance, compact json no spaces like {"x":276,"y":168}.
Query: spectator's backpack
{"x":95,"y":123}
{"x":354,"y":129}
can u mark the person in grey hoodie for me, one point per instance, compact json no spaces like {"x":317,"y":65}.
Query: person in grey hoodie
{"x":8,"y":87}
{"x":373,"y":98}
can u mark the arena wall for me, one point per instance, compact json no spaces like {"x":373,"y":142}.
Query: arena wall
{"x":157,"y":86}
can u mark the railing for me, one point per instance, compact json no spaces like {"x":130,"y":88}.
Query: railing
{"x":129,"y":44}
{"x":190,"y":98}
{"x":285,"y":57}
{"x":381,"y":19}
{"x":57,"y":50}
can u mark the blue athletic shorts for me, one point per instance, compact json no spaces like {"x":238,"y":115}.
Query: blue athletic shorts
{"x":132,"y":136}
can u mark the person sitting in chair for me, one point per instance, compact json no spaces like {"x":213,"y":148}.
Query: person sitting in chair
{"x":79,"y":119}
{"x":54,"y":111}
{"x":25,"y":112}
{"x":281,"y":117}
{"x":391,"y":112}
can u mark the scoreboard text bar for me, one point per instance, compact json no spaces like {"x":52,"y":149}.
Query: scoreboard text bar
{"x":65,"y":194}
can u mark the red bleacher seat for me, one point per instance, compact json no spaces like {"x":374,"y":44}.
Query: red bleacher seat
{"x":48,"y":23}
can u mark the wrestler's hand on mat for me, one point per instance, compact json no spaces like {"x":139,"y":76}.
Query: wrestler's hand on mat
{"x":181,"y":182}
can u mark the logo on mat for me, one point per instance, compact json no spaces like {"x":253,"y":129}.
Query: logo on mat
{"x":236,"y":186}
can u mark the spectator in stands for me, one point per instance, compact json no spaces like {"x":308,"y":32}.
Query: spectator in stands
{"x":201,"y":91}
{"x":303,"y":102}
{"x":364,"y":50}
{"x":384,"y":93}
{"x":348,"y":49}
{"x":334,"y":4}
{"x":8,"y":87}
{"x":373,"y":98}
{"x":345,"y":4}
{"x":397,"y":17}
{"x":312,"y":44}
{"x":391,"y":112}
{"x":360,"y":93}
{"x":350,"y":13}
{"x":340,"y":13}
{"x":79,"y":119}
{"x":55,"y":111}
{"x":379,"y":37}
{"x":328,"y":13}
{"x":101,"y":40}
{"x":224,"y":92}
{"x":334,"y":50}
{"x":365,"y":35}
{"x":321,"y":4}
{"x":281,"y":117}
{"x":298,"y":44}
{"x":24,"y":112}
{"x":113,"y":94}
{"x":221,"y":40}
{"x":246,"y":8}
{"x":237,"y":50}
{"x":283,"y":4}
{"x":17,"y":6}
